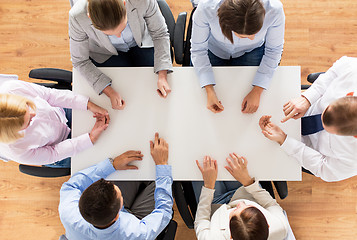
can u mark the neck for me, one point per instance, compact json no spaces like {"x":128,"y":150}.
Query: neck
{"x":104,"y":227}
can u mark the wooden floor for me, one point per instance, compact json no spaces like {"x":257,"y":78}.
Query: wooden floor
{"x":33,"y":33}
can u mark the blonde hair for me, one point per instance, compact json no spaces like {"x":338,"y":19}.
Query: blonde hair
{"x":12,"y":112}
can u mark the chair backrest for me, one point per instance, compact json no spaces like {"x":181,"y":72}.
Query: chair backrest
{"x":169,"y":18}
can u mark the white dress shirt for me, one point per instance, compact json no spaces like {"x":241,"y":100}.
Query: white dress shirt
{"x":328,"y":156}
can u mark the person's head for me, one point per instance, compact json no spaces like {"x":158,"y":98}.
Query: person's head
{"x":340,"y":117}
{"x":248,"y":223}
{"x":243,"y":17}
{"x":100,"y":203}
{"x":108,"y":16}
{"x":16,"y":113}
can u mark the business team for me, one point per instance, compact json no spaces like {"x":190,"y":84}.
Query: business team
{"x":35,"y":121}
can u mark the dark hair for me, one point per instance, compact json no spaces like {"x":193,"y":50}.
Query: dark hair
{"x":250,"y":225}
{"x":241,"y":16}
{"x":99,"y":203}
{"x":342,"y":114}
{"x":106,"y":14}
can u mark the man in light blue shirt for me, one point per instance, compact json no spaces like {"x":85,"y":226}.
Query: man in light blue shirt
{"x":93,"y":208}
{"x":237,"y":33}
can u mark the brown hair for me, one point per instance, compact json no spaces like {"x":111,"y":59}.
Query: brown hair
{"x":241,"y":16}
{"x":106,"y":14}
{"x":12,"y":112}
{"x":342,"y":114}
{"x":250,"y":225}
{"x":99,"y":204}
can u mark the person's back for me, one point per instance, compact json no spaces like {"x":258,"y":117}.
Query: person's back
{"x":93,"y":208}
{"x":329,"y":150}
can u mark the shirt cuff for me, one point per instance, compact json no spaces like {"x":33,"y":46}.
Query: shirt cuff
{"x":106,"y":167}
{"x":261,"y":80}
{"x":163,"y":171}
{"x":311,"y":95}
{"x":289,"y":147}
{"x":109,"y":84}
{"x":81,"y":102}
{"x":253,"y":187}
{"x":84,"y":142}
{"x":206,"y":78}
{"x":207,"y":191}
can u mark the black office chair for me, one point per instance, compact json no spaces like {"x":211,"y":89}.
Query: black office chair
{"x":176,"y":30}
{"x":61,"y":79}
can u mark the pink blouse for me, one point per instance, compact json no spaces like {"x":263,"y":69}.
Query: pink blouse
{"x":45,"y":139}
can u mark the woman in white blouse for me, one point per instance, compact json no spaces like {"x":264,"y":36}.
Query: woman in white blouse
{"x":250,"y":214}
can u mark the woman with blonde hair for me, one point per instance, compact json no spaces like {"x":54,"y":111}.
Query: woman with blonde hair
{"x":35,"y":124}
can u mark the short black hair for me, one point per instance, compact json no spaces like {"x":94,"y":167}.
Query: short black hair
{"x":99,"y":204}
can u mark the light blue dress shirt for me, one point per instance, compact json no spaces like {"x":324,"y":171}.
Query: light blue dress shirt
{"x":127,"y":226}
{"x":126,"y":40}
{"x":207,"y":34}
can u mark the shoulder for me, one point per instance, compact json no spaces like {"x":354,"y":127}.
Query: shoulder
{"x":273,"y":6}
{"x":141,"y":5}
{"x":13,"y":86}
{"x":209,"y":6}
{"x":79,"y":9}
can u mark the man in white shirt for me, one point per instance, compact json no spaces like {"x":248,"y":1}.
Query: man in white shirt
{"x":331,"y":152}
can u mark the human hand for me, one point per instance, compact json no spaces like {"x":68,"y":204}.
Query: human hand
{"x":159,"y":150}
{"x":115,"y":99}
{"x":251,"y":102}
{"x":98,"y":111}
{"x":213,"y":103}
{"x":162,"y":84}
{"x":238,"y":169}
{"x":295,"y":108}
{"x":209,"y":171}
{"x":271,"y":131}
{"x":122,"y":161}
{"x":99,"y":126}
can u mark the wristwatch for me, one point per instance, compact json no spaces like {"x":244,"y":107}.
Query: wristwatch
{"x":111,"y":160}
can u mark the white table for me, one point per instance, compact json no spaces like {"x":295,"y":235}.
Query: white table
{"x":191,"y":130}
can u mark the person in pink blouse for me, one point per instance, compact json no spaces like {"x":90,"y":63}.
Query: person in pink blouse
{"x":35,"y":124}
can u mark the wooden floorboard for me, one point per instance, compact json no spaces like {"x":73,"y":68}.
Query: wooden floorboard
{"x":34,"y":33}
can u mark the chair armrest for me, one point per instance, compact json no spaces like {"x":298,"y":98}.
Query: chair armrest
{"x":182,"y":205}
{"x":313,"y":76}
{"x":179,"y":37}
{"x":282,"y":188}
{"x":63,"y":77}
{"x":171,"y":231}
{"x":39,"y":171}
{"x":304,"y":87}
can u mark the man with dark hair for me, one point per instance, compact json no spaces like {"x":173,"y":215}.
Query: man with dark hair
{"x":237,"y":33}
{"x":251,"y":213}
{"x":328,"y":112}
{"x":93,"y":208}
{"x":119,"y":33}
